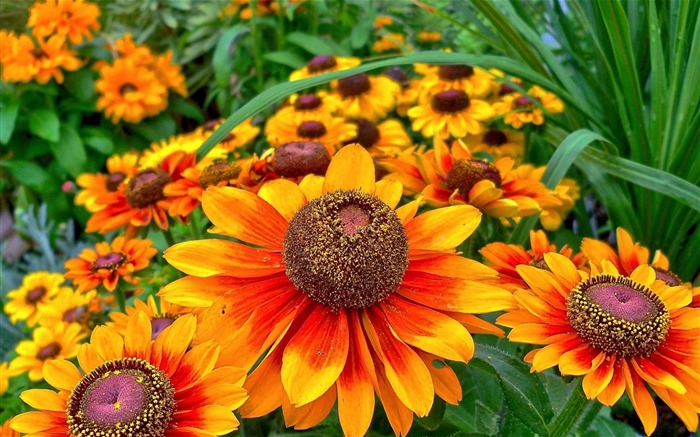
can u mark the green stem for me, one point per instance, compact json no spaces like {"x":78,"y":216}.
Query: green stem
{"x":194,"y":225}
{"x":120,"y":299}
{"x":168,"y":237}
{"x":576,"y":408}
{"x":255,"y":34}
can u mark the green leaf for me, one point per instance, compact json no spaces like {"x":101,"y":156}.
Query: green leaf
{"x":314,"y":44}
{"x":285,"y":57}
{"x":524,"y":392}
{"x":98,"y":140}
{"x":26,"y":172}
{"x":433,"y":420}
{"x":362,"y":30}
{"x":222,"y":58}
{"x":605,"y":427}
{"x":157,"y":128}
{"x":81,"y":84}
{"x":44,"y":123}
{"x":69,"y":150}
{"x":181,"y":106}
{"x":8,"y":117}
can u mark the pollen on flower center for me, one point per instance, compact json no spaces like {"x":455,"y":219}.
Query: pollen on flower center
{"x":311,"y":129}
{"x":146,"y":188}
{"x":320,"y":63}
{"x":307,"y":102}
{"x":494,"y":137}
{"x":217,"y":172}
{"x":111,"y":261}
{"x":618,"y":315}
{"x":35,"y":294}
{"x":450,"y":101}
{"x":354,"y":85}
{"x":300,"y":158}
{"x":114,"y":179}
{"x":346,"y":249}
{"x":120,"y":398}
{"x":455,"y":72}
{"x":466,"y":173}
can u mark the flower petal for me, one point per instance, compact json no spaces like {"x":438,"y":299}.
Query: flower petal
{"x":351,"y":168}
{"x":389,"y":191}
{"x":284,"y":195}
{"x":453,"y":266}
{"x":137,"y":337}
{"x":312,"y":186}
{"x":400,"y":417}
{"x":446,"y":383}
{"x":107,"y":342}
{"x":641,"y":399}
{"x":171,"y":344}
{"x":355,"y":391}
{"x":194,"y":292}
{"x":42,"y":399}
{"x":311,"y":414}
{"x":442,"y":229}
{"x":596,"y":381}
{"x":215,"y":419}
{"x":205,"y":258}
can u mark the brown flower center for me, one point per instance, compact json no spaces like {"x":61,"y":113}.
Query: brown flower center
{"x":307,"y":102}
{"x":35,"y":295}
{"x":354,"y":85}
{"x":111,"y":261}
{"x":49,"y":351}
{"x":466,"y":173}
{"x":450,"y":101}
{"x":146,"y":188}
{"x":618,"y":315}
{"x":494,"y":137}
{"x":120,"y":398}
{"x":320,"y":63}
{"x":524,"y":102}
{"x":113,"y":180}
{"x":311,"y":129}
{"x":506,"y":88}
{"x":346,"y":249}
{"x":367,"y":134}
{"x":667,"y":276}
{"x":127,"y":88}
{"x":455,"y":72}
{"x":300,"y":158}
{"x":218,"y":172}
{"x":398,"y":75}
{"x":74,"y":314}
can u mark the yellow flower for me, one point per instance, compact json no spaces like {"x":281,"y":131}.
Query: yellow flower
{"x":498,"y":143}
{"x":331,"y":131}
{"x":187,"y":143}
{"x":37,"y":290}
{"x":474,"y":81}
{"x":387,"y":138}
{"x":159,"y":318}
{"x":519,"y":109}
{"x":369,"y":97}
{"x":75,"y":19}
{"x":4,"y":378}
{"x":59,"y":341}
{"x":450,"y":113}
{"x":68,"y":306}
{"x":323,"y":64}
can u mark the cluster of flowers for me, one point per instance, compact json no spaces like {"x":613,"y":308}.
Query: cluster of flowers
{"x":328,"y":287}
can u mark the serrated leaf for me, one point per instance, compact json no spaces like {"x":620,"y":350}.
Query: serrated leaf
{"x":69,"y":151}
{"x":8,"y":117}
{"x":43,"y":122}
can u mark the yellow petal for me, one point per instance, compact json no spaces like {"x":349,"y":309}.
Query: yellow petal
{"x":285,"y":196}
{"x":352,"y":168}
{"x":442,"y":229}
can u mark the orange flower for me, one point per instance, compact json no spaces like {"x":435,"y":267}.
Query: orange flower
{"x":120,"y":168}
{"x":160,"y":318}
{"x":343,"y":295}
{"x":24,"y":61}
{"x":75,"y":19}
{"x":428,"y":37}
{"x":331,"y":131}
{"x":106,"y":264}
{"x":170,"y":74}
{"x":133,"y":386}
{"x":519,"y":109}
{"x":621,"y":333}
{"x":185,"y":194}
{"x":389,"y":42}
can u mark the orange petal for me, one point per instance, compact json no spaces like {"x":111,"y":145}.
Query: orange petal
{"x":265,"y":386}
{"x":205,"y":258}
{"x":615,"y":388}
{"x":563,"y":268}
{"x":196,"y":363}
{"x":194,"y":292}
{"x":214,"y":419}
{"x":137,"y":337}
{"x":311,"y":414}
{"x":36,"y":422}
{"x":536,"y":333}
{"x":351,"y":168}
{"x":284,"y":195}
{"x":596,"y":251}
{"x":400,"y":417}
{"x":442,"y":229}
{"x":596,"y":381}
{"x":428,"y":330}
{"x":580,"y":361}
{"x":42,"y":399}
{"x":107,"y":342}
{"x":88,"y":358}
{"x":631,"y":254}
{"x":653,"y":374}
{"x":452,"y":266}
{"x":171,"y":344}
{"x":355,"y":391}
{"x":681,"y":405}
{"x":475,"y":325}
{"x":316,"y":355}
{"x":549,"y":355}
{"x":389,"y":191}
{"x":446,"y":383}
{"x":244,"y":215}
{"x":312,"y":186}
{"x":641,"y":399}
{"x":406,"y":372}
{"x":61,"y":374}
{"x":408,"y":211}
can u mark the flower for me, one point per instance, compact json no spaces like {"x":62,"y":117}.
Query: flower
{"x":5,"y":430}
{"x":129,"y":92}
{"x":68,"y":306}
{"x":386,"y":138}
{"x":59,"y":341}
{"x":133,"y":386}
{"x":239,"y":136}
{"x":120,"y":168}
{"x":498,"y":143}
{"x":75,"y":19}
{"x":504,"y":258}
{"x":188,"y":143}
{"x":369,"y":97}
{"x":334,"y":330}
{"x":306,"y":107}
{"x":622,"y":333}
{"x":389,"y":42}
{"x":520,"y":109}
{"x":37,"y":290}
{"x":474,"y":81}
{"x":320,"y":64}
{"x":450,"y":112}
{"x":382,"y":20}
{"x":106,"y":264}
{"x":629,"y":256}
{"x":4,"y":378}
{"x":18,"y":59}
{"x":24,"y":61}
{"x":170,"y":74}
{"x":159,"y":318}
{"x":428,"y":37}
{"x":331,"y":131}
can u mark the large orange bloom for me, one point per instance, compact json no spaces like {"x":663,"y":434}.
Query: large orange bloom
{"x":75,"y":19}
{"x":347,"y":295}
{"x":622,"y":333}
{"x":133,"y":386}
{"x":120,"y":168}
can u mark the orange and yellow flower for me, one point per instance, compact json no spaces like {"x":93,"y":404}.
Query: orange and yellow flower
{"x":621,"y":333}
{"x":23,"y":61}
{"x":75,"y":19}
{"x":120,"y":169}
{"x":518,"y":110}
{"x":324,"y":64}
{"x":107,"y":263}
{"x":160,"y":315}
{"x":331,"y":131}
{"x":59,"y":341}
{"x":347,"y":295}
{"x":187,"y":143}
{"x":132,"y":385}
{"x":450,"y":113}
{"x":368,"y":97}
{"x":68,"y":306}
{"x":36,"y":291}
{"x":387,"y":138}
{"x":474,"y":81}
{"x":498,"y":143}
{"x":389,"y":42}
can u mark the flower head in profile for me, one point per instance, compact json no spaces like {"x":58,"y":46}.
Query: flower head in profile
{"x":75,"y":19}
{"x":518,"y":109}
{"x":450,"y":113}
{"x":364,"y":96}
{"x":622,"y":333}
{"x":107,"y":263}
{"x":36,"y":291}
{"x":342,"y":295}
{"x":320,"y":64}
{"x":59,"y":341}
{"x":132,"y":385}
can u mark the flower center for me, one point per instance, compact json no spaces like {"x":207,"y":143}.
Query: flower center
{"x":218,"y":172}
{"x":113,"y":181}
{"x":346,"y":249}
{"x":398,"y":75}
{"x":539,"y":263}
{"x":495,"y":137}
{"x":506,"y":88}
{"x":455,"y":72}
{"x":524,"y":102}
{"x":35,"y":294}
{"x":158,"y":324}
{"x":49,"y":351}
{"x":111,"y":261}
{"x":668,"y":277}
{"x":307,"y":102}
{"x":450,"y":101}
{"x":618,"y":315}
{"x":367,"y":134}
{"x":74,"y":314}
{"x":120,"y":398}
{"x":146,"y":188}
{"x":466,"y":173}
{"x":299,"y":158}
{"x":320,"y":63}
{"x":311,"y":129}
{"x":354,"y":85}
{"x":127,"y":88}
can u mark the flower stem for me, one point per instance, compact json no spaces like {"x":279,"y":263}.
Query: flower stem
{"x":168,"y":237}
{"x":577,"y":407}
{"x":120,"y":299}
{"x":194,"y":225}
